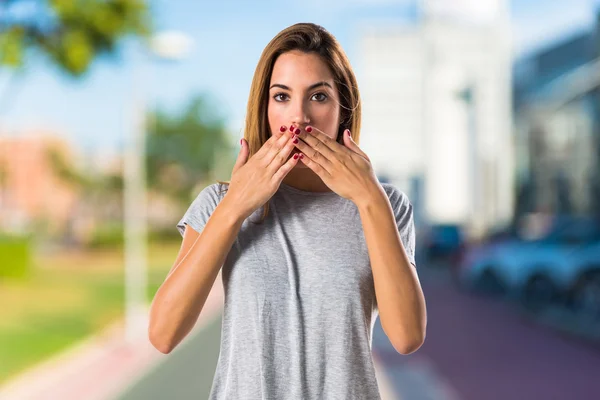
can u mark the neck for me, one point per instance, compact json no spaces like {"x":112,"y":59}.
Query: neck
{"x":305,"y":179}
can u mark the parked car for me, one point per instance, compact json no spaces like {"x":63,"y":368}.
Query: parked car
{"x":469,"y":253}
{"x":562,"y":266}
{"x":443,"y":242}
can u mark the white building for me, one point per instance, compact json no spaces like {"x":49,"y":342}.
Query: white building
{"x":453,"y":157}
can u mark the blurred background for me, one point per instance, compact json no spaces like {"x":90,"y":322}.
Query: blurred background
{"x":114,"y":114}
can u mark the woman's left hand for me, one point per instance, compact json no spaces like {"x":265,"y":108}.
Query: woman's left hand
{"x":345,"y":169}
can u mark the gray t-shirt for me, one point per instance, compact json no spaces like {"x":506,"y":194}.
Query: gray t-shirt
{"x":299,"y":297}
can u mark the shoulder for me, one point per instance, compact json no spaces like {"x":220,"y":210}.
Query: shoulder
{"x":208,"y":197}
{"x":397,"y":197}
{"x":202,"y":207}
{"x":212,"y":193}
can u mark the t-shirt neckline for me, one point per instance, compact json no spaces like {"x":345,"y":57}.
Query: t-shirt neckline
{"x":292,"y":189}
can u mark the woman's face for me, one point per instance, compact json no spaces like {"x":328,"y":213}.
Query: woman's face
{"x":301,"y":93}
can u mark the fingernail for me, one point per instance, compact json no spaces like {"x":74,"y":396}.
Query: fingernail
{"x":241,"y":141}
{"x":296,"y":156}
{"x":301,"y":155}
{"x":292,"y":128}
{"x":348,"y":133}
{"x":282,"y":129}
{"x":295,"y":139}
{"x":309,"y":129}
{"x":297,"y":131}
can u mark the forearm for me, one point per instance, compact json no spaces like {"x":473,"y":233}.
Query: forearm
{"x":180,"y":299}
{"x":400,"y":298}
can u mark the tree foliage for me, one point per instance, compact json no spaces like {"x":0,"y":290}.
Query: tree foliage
{"x":72,"y":33}
{"x":184,"y":148}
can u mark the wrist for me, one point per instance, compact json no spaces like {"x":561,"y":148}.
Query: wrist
{"x":231,"y":209}
{"x":371,"y":198}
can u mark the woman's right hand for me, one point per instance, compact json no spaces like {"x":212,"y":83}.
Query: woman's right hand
{"x":253,"y":182}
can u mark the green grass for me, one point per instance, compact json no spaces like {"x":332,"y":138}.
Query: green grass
{"x":67,"y":298}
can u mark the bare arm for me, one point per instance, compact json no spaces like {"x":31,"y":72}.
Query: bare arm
{"x":402,"y":308}
{"x":180,"y":299}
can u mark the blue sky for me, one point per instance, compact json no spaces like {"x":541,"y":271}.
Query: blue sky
{"x":229,"y":36}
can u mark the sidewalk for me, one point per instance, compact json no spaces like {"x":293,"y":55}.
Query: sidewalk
{"x":104,"y":366}
{"x":415,"y":379}
{"x":98,"y":368}
{"x":383,"y":380}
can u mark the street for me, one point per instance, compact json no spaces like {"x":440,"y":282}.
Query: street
{"x":476,"y":348}
{"x":479,"y":348}
{"x":185,"y":373}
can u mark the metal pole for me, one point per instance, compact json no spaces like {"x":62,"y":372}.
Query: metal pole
{"x":475,"y":164}
{"x":136,"y":318}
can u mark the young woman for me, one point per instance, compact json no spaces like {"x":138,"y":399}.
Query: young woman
{"x":313,"y":247}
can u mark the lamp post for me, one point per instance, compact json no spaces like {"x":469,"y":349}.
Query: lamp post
{"x":467,"y":95}
{"x":168,"y":45}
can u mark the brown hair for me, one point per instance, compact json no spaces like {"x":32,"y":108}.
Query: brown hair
{"x":308,"y":38}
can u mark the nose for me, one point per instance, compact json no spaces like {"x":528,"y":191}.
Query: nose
{"x":299,"y":114}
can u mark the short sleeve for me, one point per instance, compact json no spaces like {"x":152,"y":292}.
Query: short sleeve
{"x":201,"y":208}
{"x":403,"y":213}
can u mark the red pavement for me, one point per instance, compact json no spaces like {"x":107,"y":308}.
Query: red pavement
{"x":103,"y":366}
{"x":486,"y":350}
{"x":99,"y":367}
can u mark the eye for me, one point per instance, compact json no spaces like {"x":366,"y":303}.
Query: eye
{"x":322,"y":98}
{"x":277,"y":97}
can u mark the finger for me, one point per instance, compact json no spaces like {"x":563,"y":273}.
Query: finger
{"x":273,"y":144}
{"x":268,"y":144}
{"x":285,"y":169}
{"x":351,"y":144}
{"x":280,"y":158}
{"x":315,"y":136}
{"x":316,"y":167}
{"x":242,"y":157}
{"x":276,"y":148}
{"x":315,"y":156}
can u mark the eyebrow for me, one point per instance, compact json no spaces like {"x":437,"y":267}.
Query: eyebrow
{"x":311,"y":87}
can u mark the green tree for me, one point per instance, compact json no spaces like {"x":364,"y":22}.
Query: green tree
{"x":100,"y":194}
{"x":72,"y":33}
{"x":183,"y":149}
